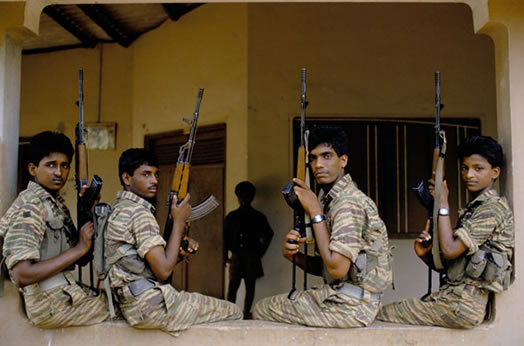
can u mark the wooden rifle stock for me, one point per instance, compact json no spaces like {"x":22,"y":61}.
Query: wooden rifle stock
{"x":180,"y":182}
{"x":299,"y":217}
{"x":92,"y":192}
{"x":81,"y":166}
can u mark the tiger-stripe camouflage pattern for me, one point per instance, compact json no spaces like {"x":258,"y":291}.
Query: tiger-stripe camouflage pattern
{"x":24,"y":229}
{"x":317,"y":307}
{"x":65,"y":306}
{"x":487,"y":217}
{"x":162,"y":307}
{"x":354,"y":226}
{"x":462,"y":304}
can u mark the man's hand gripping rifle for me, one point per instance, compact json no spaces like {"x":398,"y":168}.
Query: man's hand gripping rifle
{"x":88,"y":194}
{"x":300,"y":218}
{"x":180,"y":183}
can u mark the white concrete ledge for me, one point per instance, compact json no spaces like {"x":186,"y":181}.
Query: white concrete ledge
{"x":15,"y":329}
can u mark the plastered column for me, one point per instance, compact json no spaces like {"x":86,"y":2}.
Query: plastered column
{"x":12,"y":31}
{"x":505,"y":26}
{"x":10,"y":70}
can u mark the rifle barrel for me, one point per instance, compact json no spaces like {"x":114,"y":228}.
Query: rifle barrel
{"x":303,"y":104}
{"x":437,"y":109}
{"x":81,"y":105}
{"x":192,"y":133}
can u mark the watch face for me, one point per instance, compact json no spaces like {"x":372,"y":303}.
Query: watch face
{"x":317,"y":218}
{"x":443,"y":212}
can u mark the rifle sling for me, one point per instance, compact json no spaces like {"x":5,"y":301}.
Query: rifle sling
{"x":439,"y":177}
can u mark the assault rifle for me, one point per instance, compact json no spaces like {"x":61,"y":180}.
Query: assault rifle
{"x":91,"y":194}
{"x":180,"y":183}
{"x":422,"y":191}
{"x":300,"y":218}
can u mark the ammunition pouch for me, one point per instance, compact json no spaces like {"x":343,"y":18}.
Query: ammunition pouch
{"x":486,"y":265}
{"x":58,"y":237}
{"x":374,"y":261}
{"x":497,"y":269}
{"x":457,"y":269}
{"x":358,"y":270}
{"x":477,"y":264}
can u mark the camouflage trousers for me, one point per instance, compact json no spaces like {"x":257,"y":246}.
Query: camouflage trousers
{"x":317,"y":307}
{"x":65,"y":306}
{"x":163,"y":307}
{"x":462,"y":306}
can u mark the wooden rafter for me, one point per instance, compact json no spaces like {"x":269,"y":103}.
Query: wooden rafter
{"x":109,"y":24}
{"x":60,"y":16}
{"x":175,"y":11}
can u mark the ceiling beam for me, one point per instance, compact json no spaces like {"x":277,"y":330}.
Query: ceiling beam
{"x":109,"y":24}
{"x":51,"y":49}
{"x":175,"y":11}
{"x":59,"y":15}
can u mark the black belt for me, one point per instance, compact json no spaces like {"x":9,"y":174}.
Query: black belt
{"x":134,"y":289}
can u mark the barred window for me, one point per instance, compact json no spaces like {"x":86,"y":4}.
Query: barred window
{"x":387,"y":157}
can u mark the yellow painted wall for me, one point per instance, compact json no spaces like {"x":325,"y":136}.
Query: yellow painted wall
{"x":375,"y":60}
{"x":206,"y":48}
{"x":147,"y":88}
{"x":49,"y":93}
{"x":362,"y":60}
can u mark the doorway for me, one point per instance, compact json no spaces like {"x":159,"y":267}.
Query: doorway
{"x":204,"y":271}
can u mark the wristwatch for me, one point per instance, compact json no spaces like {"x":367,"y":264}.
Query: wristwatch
{"x":317,"y":218}
{"x":443,"y":212}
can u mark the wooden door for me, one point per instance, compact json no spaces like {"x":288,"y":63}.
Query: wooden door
{"x":204,"y":271}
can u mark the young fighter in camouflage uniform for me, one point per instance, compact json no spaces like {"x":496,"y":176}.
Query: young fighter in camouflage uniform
{"x":143,"y":261}
{"x":484,"y":236}
{"x":39,"y":242}
{"x":347,"y":228}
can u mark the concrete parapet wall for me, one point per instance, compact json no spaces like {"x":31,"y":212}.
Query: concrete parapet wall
{"x":15,"y":329}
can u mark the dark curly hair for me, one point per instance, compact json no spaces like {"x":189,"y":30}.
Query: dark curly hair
{"x":133,"y":158}
{"x":484,"y":146}
{"x":45,"y":143}
{"x":334,"y":136}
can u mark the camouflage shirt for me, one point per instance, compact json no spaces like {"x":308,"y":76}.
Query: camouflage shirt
{"x":131,"y":225}
{"x":356,"y":227}
{"x":38,"y":227}
{"x":487,"y":218}
{"x":23,"y":226}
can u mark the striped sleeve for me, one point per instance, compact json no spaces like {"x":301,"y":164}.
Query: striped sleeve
{"x":147,"y":233}
{"x":474,"y":231}
{"x":25,"y":235}
{"x":347,"y":222}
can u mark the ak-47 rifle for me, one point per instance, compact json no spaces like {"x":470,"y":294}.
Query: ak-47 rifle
{"x":180,"y":183}
{"x":300,"y":218}
{"x":422,"y":191}
{"x":90,"y":196}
